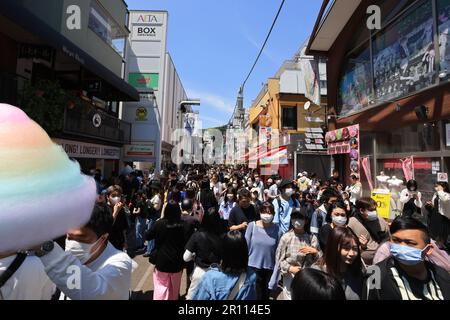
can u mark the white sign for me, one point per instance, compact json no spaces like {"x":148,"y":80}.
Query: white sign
{"x":146,"y":33}
{"x":76,"y":149}
{"x":442,"y":177}
{"x":139,"y":152}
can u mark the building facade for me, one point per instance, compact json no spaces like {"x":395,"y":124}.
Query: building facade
{"x":63,"y":64}
{"x":393,"y":82}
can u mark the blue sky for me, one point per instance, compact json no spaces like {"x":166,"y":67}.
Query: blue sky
{"x":214,"y":43}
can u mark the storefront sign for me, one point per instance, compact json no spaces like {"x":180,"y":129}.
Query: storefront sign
{"x":30,"y":51}
{"x":76,"y":149}
{"x":383,"y":201}
{"x":137,"y":151}
{"x":147,"y":32}
{"x":145,"y":81}
{"x":345,"y":141}
{"x":141,"y":114}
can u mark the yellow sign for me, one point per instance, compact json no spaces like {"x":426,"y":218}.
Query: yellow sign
{"x":141,"y":114}
{"x":383,"y":201}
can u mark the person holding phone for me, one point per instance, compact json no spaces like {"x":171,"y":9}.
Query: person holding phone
{"x":411,"y":199}
{"x":120,"y":221}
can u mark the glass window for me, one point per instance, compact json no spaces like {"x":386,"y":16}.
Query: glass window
{"x":106,"y":28}
{"x":355,"y":86}
{"x":289,"y":118}
{"x":404,"y":55}
{"x":389,"y":9}
{"x":420,"y":137}
{"x":425,"y":173}
{"x":444,"y":43}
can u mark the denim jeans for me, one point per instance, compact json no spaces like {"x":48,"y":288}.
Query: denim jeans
{"x":140,"y":230}
{"x":151,"y":243}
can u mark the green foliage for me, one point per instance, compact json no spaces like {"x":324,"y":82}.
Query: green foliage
{"x":45,"y":103}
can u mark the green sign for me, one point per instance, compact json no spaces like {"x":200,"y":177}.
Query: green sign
{"x":144,"y":80}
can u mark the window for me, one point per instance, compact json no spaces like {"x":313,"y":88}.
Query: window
{"x":289,"y":118}
{"x":106,"y":28}
{"x":404,"y":55}
{"x":444,"y":43}
{"x":355,"y":89}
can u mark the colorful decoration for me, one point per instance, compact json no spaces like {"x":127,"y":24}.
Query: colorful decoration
{"x":43,"y":193}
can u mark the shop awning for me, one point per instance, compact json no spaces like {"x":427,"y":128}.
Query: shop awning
{"x":25,"y":19}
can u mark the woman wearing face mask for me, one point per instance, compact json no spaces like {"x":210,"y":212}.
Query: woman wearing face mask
{"x":120,"y":221}
{"x":439,"y":216}
{"x":411,"y":199}
{"x":342,"y":260}
{"x":262,"y":240}
{"x":337,"y":216}
{"x":227,"y":204}
{"x":371,"y":229}
{"x":297,"y":249}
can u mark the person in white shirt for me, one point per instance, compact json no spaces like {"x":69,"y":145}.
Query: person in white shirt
{"x":355,"y":189}
{"x":260,"y":185}
{"x":90,"y":268}
{"x":216,"y":186}
{"x":411,"y":199}
{"x":28,"y":282}
{"x":439,"y":215}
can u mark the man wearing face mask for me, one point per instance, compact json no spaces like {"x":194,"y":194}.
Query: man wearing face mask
{"x":405,"y":275}
{"x":104,"y":272}
{"x":329,"y":196}
{"x":371,"y":229}
{"x":283,"y":206}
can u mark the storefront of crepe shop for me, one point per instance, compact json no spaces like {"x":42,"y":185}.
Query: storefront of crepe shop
{"x":394,"y":83}
{"x":92,"y":156}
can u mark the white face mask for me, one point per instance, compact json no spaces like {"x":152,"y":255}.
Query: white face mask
{"x":298,"y":223}
{"x":372,"y":216}
{"x":80,"y":250}
{"x":339,"y":221}
{"x":289,"y":192}
{"x":230,"y":197}
{"x":114,"y":200}
{"x":235,"y":185}
{"x":266,"y":217}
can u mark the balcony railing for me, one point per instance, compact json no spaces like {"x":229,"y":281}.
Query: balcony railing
{"x":110,"y":129}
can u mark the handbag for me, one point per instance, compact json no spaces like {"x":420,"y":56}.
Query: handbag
{"x":237,"y":286}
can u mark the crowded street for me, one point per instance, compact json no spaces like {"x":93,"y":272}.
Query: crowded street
{"x":248,"y":153}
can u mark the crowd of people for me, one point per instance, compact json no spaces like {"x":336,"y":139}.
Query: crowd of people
{"x":242,"y":236}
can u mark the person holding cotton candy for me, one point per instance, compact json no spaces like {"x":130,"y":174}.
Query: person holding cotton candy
{"x":36,"y":174}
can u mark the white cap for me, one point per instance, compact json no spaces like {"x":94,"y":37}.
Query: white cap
{"x":305,"y":173}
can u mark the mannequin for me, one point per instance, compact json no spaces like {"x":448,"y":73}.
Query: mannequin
{"x":395,"y":186}
{"x":382,"y":181}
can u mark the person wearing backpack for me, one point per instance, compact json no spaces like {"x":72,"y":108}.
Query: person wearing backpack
{"x":329,"y":197}
{"x":283,"y":206}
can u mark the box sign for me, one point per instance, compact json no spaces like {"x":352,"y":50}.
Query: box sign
{"x":76,"y":149}
{"x":146,"y":32}
{"x":137,"y":151}
{"x":144,"y":81}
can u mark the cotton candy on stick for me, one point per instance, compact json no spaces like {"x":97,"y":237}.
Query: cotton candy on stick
{"x":42,"y":192}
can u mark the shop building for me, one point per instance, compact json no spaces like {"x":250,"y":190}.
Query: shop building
{"x":393,"y":82}
{"x":63,"y":64}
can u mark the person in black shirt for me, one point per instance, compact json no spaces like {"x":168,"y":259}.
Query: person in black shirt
{"x":120,"y":221}
{"x":242,"y":214}
{"x":171,"y":234}
{"x":405,"y":275}
{"x":205,"y":245}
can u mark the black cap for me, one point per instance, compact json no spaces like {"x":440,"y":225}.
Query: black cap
{"x":285,"y":183}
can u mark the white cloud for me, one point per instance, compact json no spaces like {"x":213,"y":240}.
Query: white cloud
{"x":257,"y":45}
{"x":212,"y":100}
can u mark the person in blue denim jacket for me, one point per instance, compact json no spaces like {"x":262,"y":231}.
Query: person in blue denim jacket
{"x":219,"y":281}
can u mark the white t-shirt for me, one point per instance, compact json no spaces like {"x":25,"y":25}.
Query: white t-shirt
{"x":29,"y":282}
{"x":156,"y":201}
{"x":107,"y":278}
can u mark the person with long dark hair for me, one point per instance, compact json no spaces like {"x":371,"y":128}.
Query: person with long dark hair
{"x":232,"y":279}
{"x":439,"y":215}
{"x":312,"y":284}
{"x":170,"y":234}
{"x":204,"y":248}
{"x":342,"y":260}
{"x":411,"y":199}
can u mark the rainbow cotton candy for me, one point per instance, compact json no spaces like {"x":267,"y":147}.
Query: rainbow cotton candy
{"x":42,"y":192}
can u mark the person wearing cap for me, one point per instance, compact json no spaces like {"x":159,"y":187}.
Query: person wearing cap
{"x":303,"y":181}
{"x":355,"y":189}
{"x":283,"y":206}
